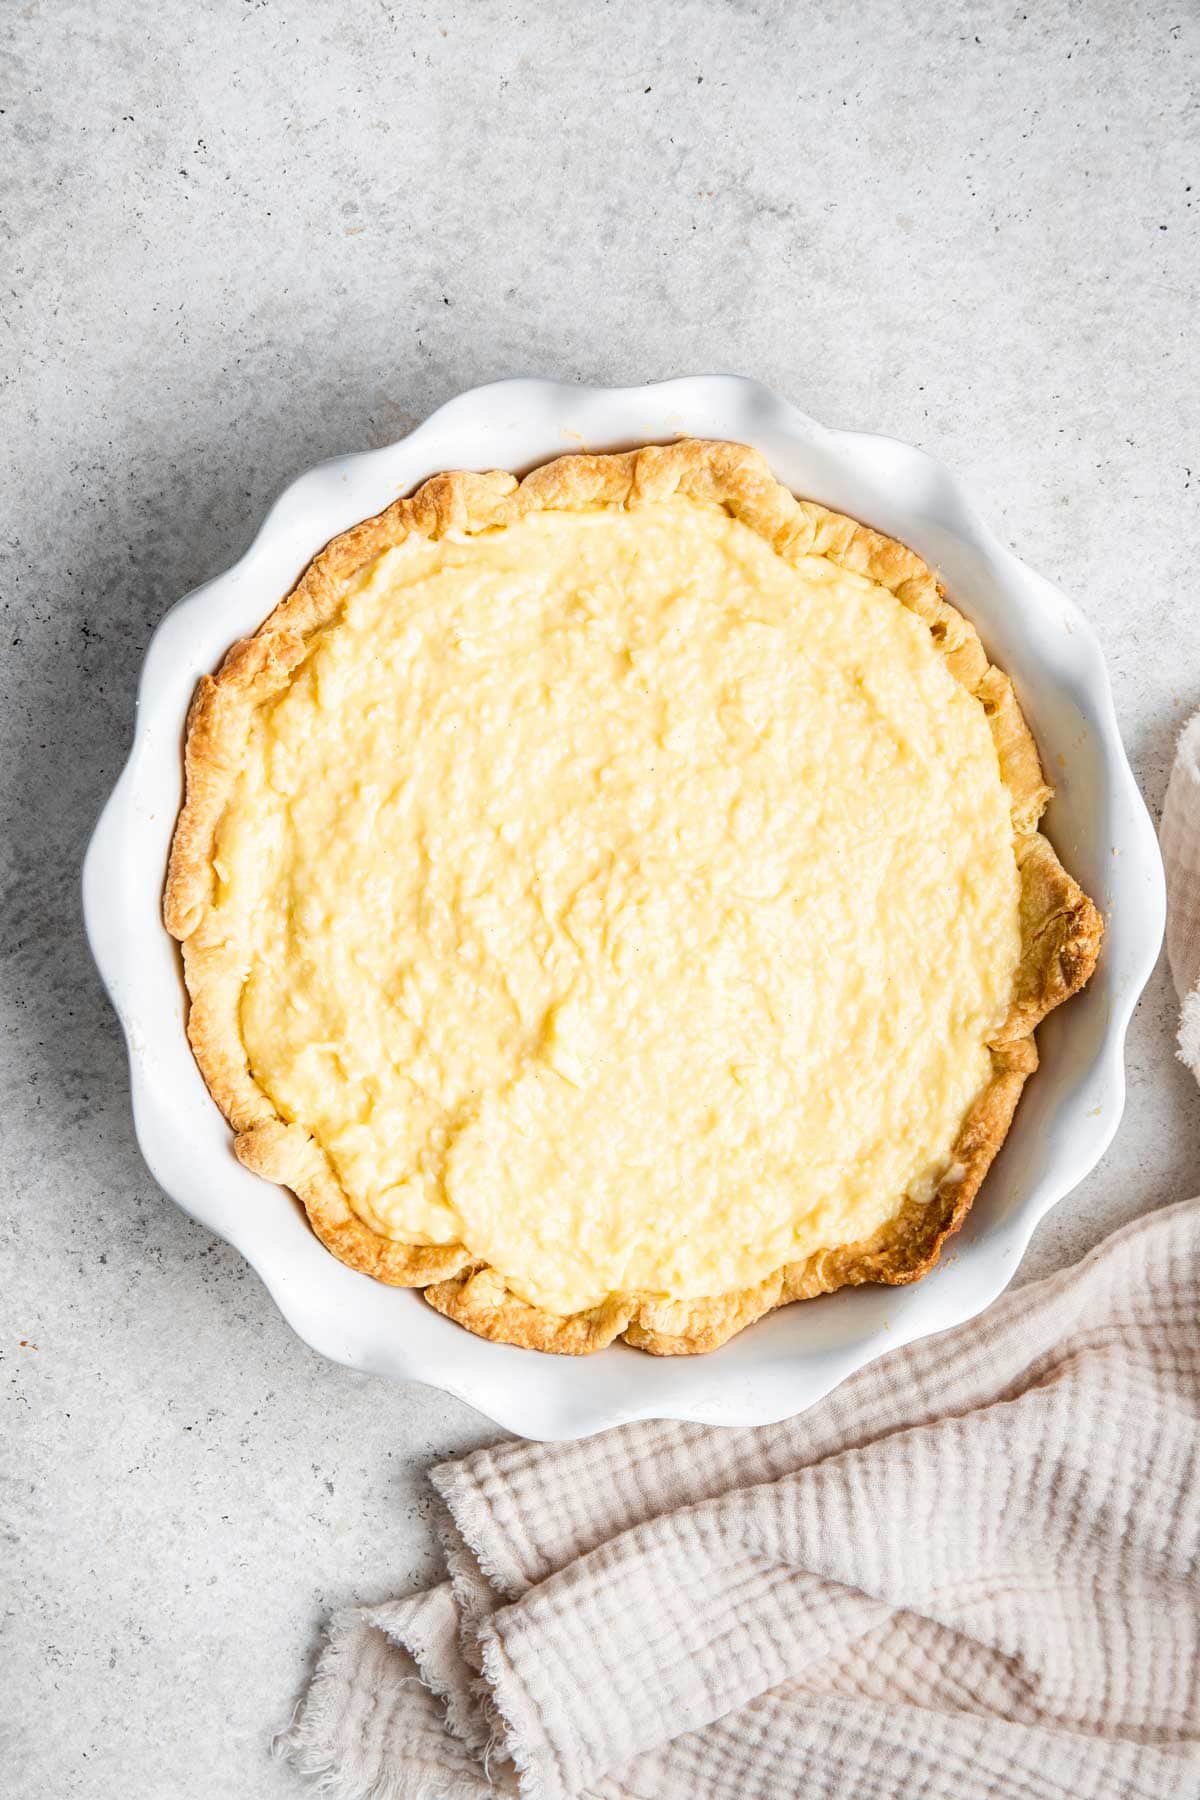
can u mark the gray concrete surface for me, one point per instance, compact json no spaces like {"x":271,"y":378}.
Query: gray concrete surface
{"x":242,"y":237}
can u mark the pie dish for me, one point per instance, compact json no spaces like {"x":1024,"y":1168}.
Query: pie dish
{"x":613,"y":901}
{"x":1097,"y":820}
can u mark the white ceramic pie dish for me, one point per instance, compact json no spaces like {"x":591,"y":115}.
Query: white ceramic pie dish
{"x":1097,"y":821}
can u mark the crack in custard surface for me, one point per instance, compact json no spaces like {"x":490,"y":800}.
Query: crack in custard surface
{"x":622,"y":900}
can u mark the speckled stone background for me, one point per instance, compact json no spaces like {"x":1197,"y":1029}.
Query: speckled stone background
{"x":243,"y":237}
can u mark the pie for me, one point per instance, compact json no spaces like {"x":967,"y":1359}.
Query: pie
{"x":613,"y":901}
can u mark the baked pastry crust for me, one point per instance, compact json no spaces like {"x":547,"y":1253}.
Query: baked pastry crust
{"x":1060,"y":927}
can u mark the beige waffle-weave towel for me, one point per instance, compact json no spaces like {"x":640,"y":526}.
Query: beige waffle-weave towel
{"x":1180,"y":835}
{"x":973,"y":1571}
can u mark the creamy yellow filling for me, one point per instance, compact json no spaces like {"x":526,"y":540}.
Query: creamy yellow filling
{"x":623,"y":901}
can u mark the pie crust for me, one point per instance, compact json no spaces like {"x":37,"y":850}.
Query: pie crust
{"x":1059,"y":926}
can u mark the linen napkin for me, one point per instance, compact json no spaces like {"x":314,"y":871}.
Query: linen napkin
{"x":1180,"y":834}
{"x":973,"y":1570}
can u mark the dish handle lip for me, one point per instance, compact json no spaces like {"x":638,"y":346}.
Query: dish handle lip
{"x":552,"y":1416}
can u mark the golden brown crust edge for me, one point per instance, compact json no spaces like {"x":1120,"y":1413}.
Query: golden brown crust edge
{"x":1060,"y":928}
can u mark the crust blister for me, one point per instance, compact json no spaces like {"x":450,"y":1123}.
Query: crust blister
{"x":1060,"y":928}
